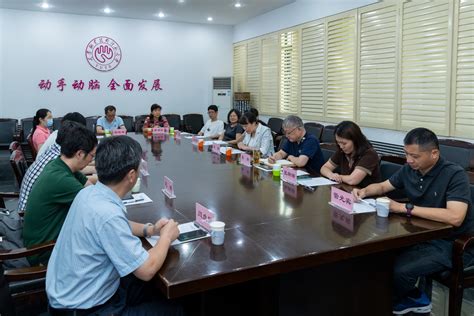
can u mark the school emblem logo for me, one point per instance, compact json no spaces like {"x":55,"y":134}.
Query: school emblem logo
{"x":103,"y":53}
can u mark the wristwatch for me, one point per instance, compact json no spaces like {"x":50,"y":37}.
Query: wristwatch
{"x":409,"y":207}
{"x":145,"y":228}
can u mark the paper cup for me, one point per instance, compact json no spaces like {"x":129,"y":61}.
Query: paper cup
{"x":382,"y":206}
{"x":217,"y":232}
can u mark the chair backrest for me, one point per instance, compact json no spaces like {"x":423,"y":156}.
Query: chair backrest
{"x":174,"y":120}
{"x":458,"y":151}
{"x":139,"y":120}
{"x":26,"y":126}
{"x":314,"y":128}
{"x":7,"y":130}
{"x":91,"y":122}
{"x":193,"y":122}
{"x":128,"y":122}
{"x":31,"y":146}
{"x":471,"y":186}
{"x":18,"y":164}
{"x":328,"y":149}
{"x":327,"y":135}
{"x":275,"y":124}
{"x":57,"y":123}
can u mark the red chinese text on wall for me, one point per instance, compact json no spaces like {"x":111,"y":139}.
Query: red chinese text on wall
{"x":94,"y":84}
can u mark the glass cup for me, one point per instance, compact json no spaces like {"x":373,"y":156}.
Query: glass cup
{"x":276,"y":170}
{"x":382,"y":205}
{"x":256,"y":156}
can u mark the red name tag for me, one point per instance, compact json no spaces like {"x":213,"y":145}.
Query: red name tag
{"x":169,"y":186}
{"x":289,"y":175}
{"x":245,"y":159}
{"x":216,"y":148}
{"x":342,"y":199}
{"x":118,"y":132}
{"x":204,"y":216}
{"x":159,"y":130}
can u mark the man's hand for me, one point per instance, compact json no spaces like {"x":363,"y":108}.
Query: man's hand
{"x":170,"y":230}
{"x":359,"y":194}
{"x":159,"y":225}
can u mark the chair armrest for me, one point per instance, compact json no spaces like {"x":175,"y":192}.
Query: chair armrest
{"x":460,"y":245}
{"x":21,"y":274}
{"x":26,"y":252}
{"x":4,"y":195}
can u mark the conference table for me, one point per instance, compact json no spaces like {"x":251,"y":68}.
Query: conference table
{"x":286,"y":251}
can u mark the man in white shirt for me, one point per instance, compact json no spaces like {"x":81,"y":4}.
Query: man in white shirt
{"x":213,"y":127}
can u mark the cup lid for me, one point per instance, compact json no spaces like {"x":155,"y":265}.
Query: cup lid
{"x":217,"y":225}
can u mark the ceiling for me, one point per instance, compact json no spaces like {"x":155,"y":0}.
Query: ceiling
{"x":191,"y":11}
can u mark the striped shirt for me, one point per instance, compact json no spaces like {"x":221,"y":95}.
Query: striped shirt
{"x":34,"y":171}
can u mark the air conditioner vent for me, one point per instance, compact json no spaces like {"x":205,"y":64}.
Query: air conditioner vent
{"x":222,"y":83}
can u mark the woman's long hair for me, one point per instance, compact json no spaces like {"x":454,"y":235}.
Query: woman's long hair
{"x":350,"y":130}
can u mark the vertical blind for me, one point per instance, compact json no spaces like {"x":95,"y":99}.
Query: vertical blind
{"x":394,"y":64}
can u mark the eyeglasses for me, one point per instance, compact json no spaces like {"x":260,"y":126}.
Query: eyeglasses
{"x":89,"y":154}
{"x":289,"y":133}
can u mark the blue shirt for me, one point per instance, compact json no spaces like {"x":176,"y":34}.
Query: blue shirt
{"x":308,"y":146}
{"x":95,"y":248}
{"x":115,"y":124}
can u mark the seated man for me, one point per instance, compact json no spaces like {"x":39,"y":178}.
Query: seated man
{"x":213,"y":127}
{"x":301,"y":148}
{"x":437,"y":190}
{"x":109,"y":121}
{"x":98,"y":246}
{"x":57,"y":186}
{"x":53,"y":152}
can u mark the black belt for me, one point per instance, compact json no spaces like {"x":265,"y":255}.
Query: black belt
{"x":73,"y":312}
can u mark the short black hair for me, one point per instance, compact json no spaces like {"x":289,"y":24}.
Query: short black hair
{"x":423,"y":137}
{"x":73,"y":137}
{"x":115,"y":157}
{"x":237,"y":112}
{"x":254,"y":111}
{"x":109,"y":108}
{"x":75,"y":117}
{"x":213,"y":107}
{"x":248,"y":118}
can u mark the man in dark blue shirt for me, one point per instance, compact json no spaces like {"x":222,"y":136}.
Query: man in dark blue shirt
{"x":437,"y":190}
{"x":301,"y":148}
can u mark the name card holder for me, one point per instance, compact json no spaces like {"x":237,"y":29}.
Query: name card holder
{"x":342,"y":199}
{"x":246,"y":160}
{"x":119,"y":131}
{"x":204,"y":216}
{"x":159,"y":130}
{"x":289,"y":175}
{"x":168,"y":190}
{"x":216,"y":148}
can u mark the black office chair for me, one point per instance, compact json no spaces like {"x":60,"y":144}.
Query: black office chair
{"x":91,"y":122}
{"x":7,"y":131}
{"x":174,"y":120}
{"x":139,"y":121}
{"x":327,"y":135}
{"x":193,"y":123}
{"x":314,"y":128}
{"x":275,"y":125}
{"x":128,"y":122}
{"x":328,"y":149}
{"x":57,"y":123}
{"x":458,"y":151}
{"x":26,"y":127}
{"x":389,"y":165}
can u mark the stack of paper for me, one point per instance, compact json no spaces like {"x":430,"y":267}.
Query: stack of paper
{"x":315,"y":182}
{"x":364,"y":206}
{"x":234,"y":151}
{"x":282,"y":162}
{"x":183,"y":228}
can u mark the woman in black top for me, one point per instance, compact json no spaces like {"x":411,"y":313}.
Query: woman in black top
{"x":234,"y":133}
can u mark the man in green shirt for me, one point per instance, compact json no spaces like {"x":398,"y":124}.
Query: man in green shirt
{"x":57,"y":186}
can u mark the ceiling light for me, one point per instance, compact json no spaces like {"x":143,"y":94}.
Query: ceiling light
{"x":108,"y":10}
{"x":161,"y":15}
{"x":45,"y":5}
{"x":210,"y":19}
{"x":181,"y":1}
{"x":237,"y":5}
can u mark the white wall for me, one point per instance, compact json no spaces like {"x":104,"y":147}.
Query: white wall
{"x":301,"y":11}
{"x":37,"y":45}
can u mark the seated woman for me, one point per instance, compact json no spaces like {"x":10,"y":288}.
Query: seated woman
{"x":234,"y":133}
{"x":42,"y":121}
{"x":256,"y":136}
{"x":357,"y":160}
{"x":155,"y":119}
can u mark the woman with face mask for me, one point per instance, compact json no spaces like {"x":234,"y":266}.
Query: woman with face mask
{"x":42,"y":122}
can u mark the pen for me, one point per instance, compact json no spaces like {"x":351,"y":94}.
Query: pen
{"x":311,"y":189}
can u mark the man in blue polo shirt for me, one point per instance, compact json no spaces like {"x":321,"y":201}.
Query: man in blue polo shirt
{"x":437,"y":190}
{"x":301,"y":148}
{"x":98,"y":264}
{"x":109,"y":121}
